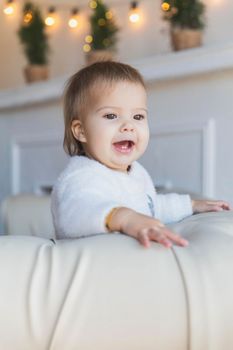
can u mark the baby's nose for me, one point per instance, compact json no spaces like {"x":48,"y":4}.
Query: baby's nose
{"x":127,"y":126}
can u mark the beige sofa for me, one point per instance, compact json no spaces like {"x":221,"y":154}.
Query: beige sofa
{"x":107,"y":292}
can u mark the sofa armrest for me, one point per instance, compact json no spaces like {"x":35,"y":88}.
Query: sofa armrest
{"x":27,"y":214}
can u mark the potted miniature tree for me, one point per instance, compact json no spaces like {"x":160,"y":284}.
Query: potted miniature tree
{"x":102,"y":44}
{"x":186,"y":19}
{"x":35,"y":43}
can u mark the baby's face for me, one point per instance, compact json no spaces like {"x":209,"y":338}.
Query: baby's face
{"x":115,"y":128}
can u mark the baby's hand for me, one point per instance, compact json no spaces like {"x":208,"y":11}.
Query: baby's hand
{"x":145,"y":228}
{"x":201,"y":206}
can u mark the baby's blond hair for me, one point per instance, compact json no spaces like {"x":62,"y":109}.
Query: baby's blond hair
{"x":79,"y":89}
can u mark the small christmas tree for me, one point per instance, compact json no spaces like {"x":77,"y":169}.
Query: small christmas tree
{"x":32,"y":35}
{"x":185,"y":13}
{"x":103,"y":28}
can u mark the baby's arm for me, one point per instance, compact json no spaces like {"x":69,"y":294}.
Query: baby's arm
{"x":82,"y":213}
{"x":172,"y":207}
{"x":142,"y":227}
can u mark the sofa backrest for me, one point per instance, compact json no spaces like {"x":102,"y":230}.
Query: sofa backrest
{"x":27,"y":214}
{"x":107,"y":292}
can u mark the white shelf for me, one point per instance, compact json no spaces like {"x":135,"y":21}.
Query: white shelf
{"x":161,"y":67}
{"x":32,"y":94}
{"x":187,"y":62}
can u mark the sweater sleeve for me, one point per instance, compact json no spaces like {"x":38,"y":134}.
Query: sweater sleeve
{"x":168,"y":208}
{"x":80,"y":211}
{"x":172,"y":207}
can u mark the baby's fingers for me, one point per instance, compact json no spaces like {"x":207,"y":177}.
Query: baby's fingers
{"x":218,"y":205}
{"x":147,"y":235}
{"x":225,"y":205}
{"x":161,"y":235}
{"x":143,"y":238}
{"x":176,"y":238}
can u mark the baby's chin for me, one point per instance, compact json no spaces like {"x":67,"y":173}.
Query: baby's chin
{"x":123,"y":166}
{"x":119,"y":163}
{"x":121,"y":169}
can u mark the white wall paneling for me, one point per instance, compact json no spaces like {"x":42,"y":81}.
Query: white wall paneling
{"x":183,"y":156}
{"x":36,"y":161}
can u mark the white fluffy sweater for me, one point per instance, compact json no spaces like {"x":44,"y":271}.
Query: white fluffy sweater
{"x":87,"y":190}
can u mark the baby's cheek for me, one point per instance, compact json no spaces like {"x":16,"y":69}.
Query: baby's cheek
{"x":145,"y":138}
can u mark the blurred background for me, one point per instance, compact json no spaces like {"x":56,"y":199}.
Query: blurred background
{"x":148,"y":37}
{"x":184,"y":50}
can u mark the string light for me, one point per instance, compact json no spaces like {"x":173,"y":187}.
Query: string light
{"x":101,"y":22}
{"x":165,"y":6}
{"x":134,"y":15}
{"x":93,"y":4}
{"x":168,"y":8}
{"x":108,"y":15}
{"x":73,"y":21}
{"x":86,"y":48}
{"x":27,"y":17}
{"x":50,"y":19}
{"x":106,"y":42}
{"x":9,"y":7}
{"x":89,"y":39}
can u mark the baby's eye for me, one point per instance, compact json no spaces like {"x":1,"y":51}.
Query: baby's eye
{"x":110,"y":116}
{"x":139,"y":117}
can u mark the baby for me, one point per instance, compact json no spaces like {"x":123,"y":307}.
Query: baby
{"x":104,"y":188}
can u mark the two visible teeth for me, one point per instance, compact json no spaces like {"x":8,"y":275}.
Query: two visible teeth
{"x":124,"y":147}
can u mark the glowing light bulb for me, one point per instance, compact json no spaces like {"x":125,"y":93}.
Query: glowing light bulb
{"x":106,"y":42}
{"x":165,"y":6}
{"x":89,"y":39}
{"x":27,"y":18}
{"x":108,"y":15}
{"x":50,"y":19}
{"x":134,"y":15}
{"x":93,"y":4}
{"x":73,"y":21}
{"x":9,"y":8}
{"x":86,"y":48}
{"x":101,"y":22}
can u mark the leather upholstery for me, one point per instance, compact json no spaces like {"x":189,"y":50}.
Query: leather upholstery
{"x":108,"y":292}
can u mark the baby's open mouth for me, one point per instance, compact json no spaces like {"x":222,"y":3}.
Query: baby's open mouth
{"x":124,"y":146}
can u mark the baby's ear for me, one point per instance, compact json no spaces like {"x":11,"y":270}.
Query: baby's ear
{"x":77,"y":130}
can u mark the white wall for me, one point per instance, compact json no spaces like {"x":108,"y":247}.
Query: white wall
{"x":150,"y":38}
{"x":186,"y":102}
